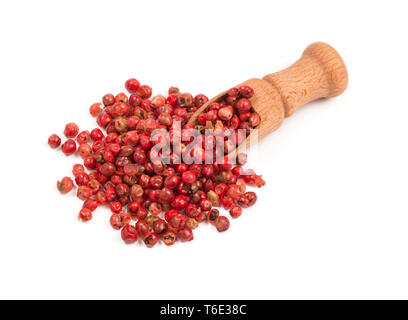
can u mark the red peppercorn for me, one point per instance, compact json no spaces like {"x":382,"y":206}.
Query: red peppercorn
{"x":188,"y":177}
{"x":85,"y":215}
{"x":129,"y":234}
{"x":212,"y":215}
{"x":159,"y":226}
{"x":169,"y":214}
{"x":226,"y":202}
{"x":77,"y":168}
{"x":150,"y":239}
{"x":101,"y":197}
{"x":104,"y":119}
{"x":235,"y":211}
{"x":180,"y":202}
{"x":142,"y":227}
{"x":251,"y":198}
{"x":84,"y":192}
{"x":177,"y":221}
{"x":90,"y":204}
{"x":84,"y":150}
{"x":226,"y":113}
{"x":144,"y":91}
{"x":205,"y":204}
{"x":95,"y":109}
{"x":200,"y":100}
{"x":192,"y":210}
{"x":135,"y":100}
{"x":96,"y":134}
{"x":185,"y":234}
{"x":107,"y":169}
{"x":169,"y":238}
{"x":244,"y":105}
{"x":220,"y":189}
{"x":82,"y":179}
{"x":171,"y":181}
{"x":108,"y":99}
{"x":155,"y":208}
{"x":121,"y":97}
{"x":116,"y":221}
{"x":83,"y":137}
{"x":89,"y":162}
{"x":54,"y":141}
{"x":115,"y":206}
{"x":110,"y":194}
{"x":222,"y":224}
{"x":68,"y":147}
{"x":132,"y":85}
{"x":254,"y":120}
{"x":246,"y":91}
{"x":71,"y":130}
{"x":182,"y":167}
{"x":65,"y":185}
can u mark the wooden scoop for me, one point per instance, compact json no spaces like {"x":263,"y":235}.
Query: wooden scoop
{"x":319,"y":73}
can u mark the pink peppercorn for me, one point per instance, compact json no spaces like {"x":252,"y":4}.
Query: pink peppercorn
{"x":132,"y":85}
{"x":71,"y":130}
{"x":54,"y":141}
{"x":222,"y":224}
{"x":68,"y":147}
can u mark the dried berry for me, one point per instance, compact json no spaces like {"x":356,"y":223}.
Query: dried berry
{"x":222,"y":224}
{"x":129,"y":234}
{"x":65,"y":185}
{"x":71,"y":130}
{"x":150,"y":239}
{"x":85,"y":215}
{"x":54,"y":141}
{"x":185,"y":234}
{"x":235,"y":211}
{"x":68,"y":147}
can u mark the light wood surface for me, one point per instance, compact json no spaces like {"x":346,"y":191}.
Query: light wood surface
{"x":319,"y":73}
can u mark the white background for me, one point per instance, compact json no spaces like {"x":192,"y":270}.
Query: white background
{"x":330,"y":223}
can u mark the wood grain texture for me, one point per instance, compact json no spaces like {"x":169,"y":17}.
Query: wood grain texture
{"x":319,"y":73}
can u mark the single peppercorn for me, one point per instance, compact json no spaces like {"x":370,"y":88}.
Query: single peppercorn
{"x":65,"y":185}
{"x":235,"y":211}
{"x":71,"y":130}
{"x":90,"y":204}
{"x":85,"y":215}
{"x":191,"y":223}
{"x":185,"y":234}
{"x":84,"y":192}
{"x":115,"y":206}
{"x":108,"y":99}
{"x":132,"y":85}
{"x":159,"y":226}
{"x":129,"y":234}
{"x":95,"y":109}
{"x":222,"y":224}
{"x":68,"y":147}
{"x":150,"y":239}
{"x":169,"y":238}
{"x":54,"y":141}
{"x":212,"y":215}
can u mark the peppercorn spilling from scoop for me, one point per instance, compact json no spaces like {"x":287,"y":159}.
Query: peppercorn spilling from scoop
{"x":150,"y":167}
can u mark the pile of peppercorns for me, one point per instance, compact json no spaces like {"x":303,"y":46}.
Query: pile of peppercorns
{"x":167,"y":201}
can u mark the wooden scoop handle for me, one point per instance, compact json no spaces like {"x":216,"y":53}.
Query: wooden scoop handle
{"x":319,"y":73}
